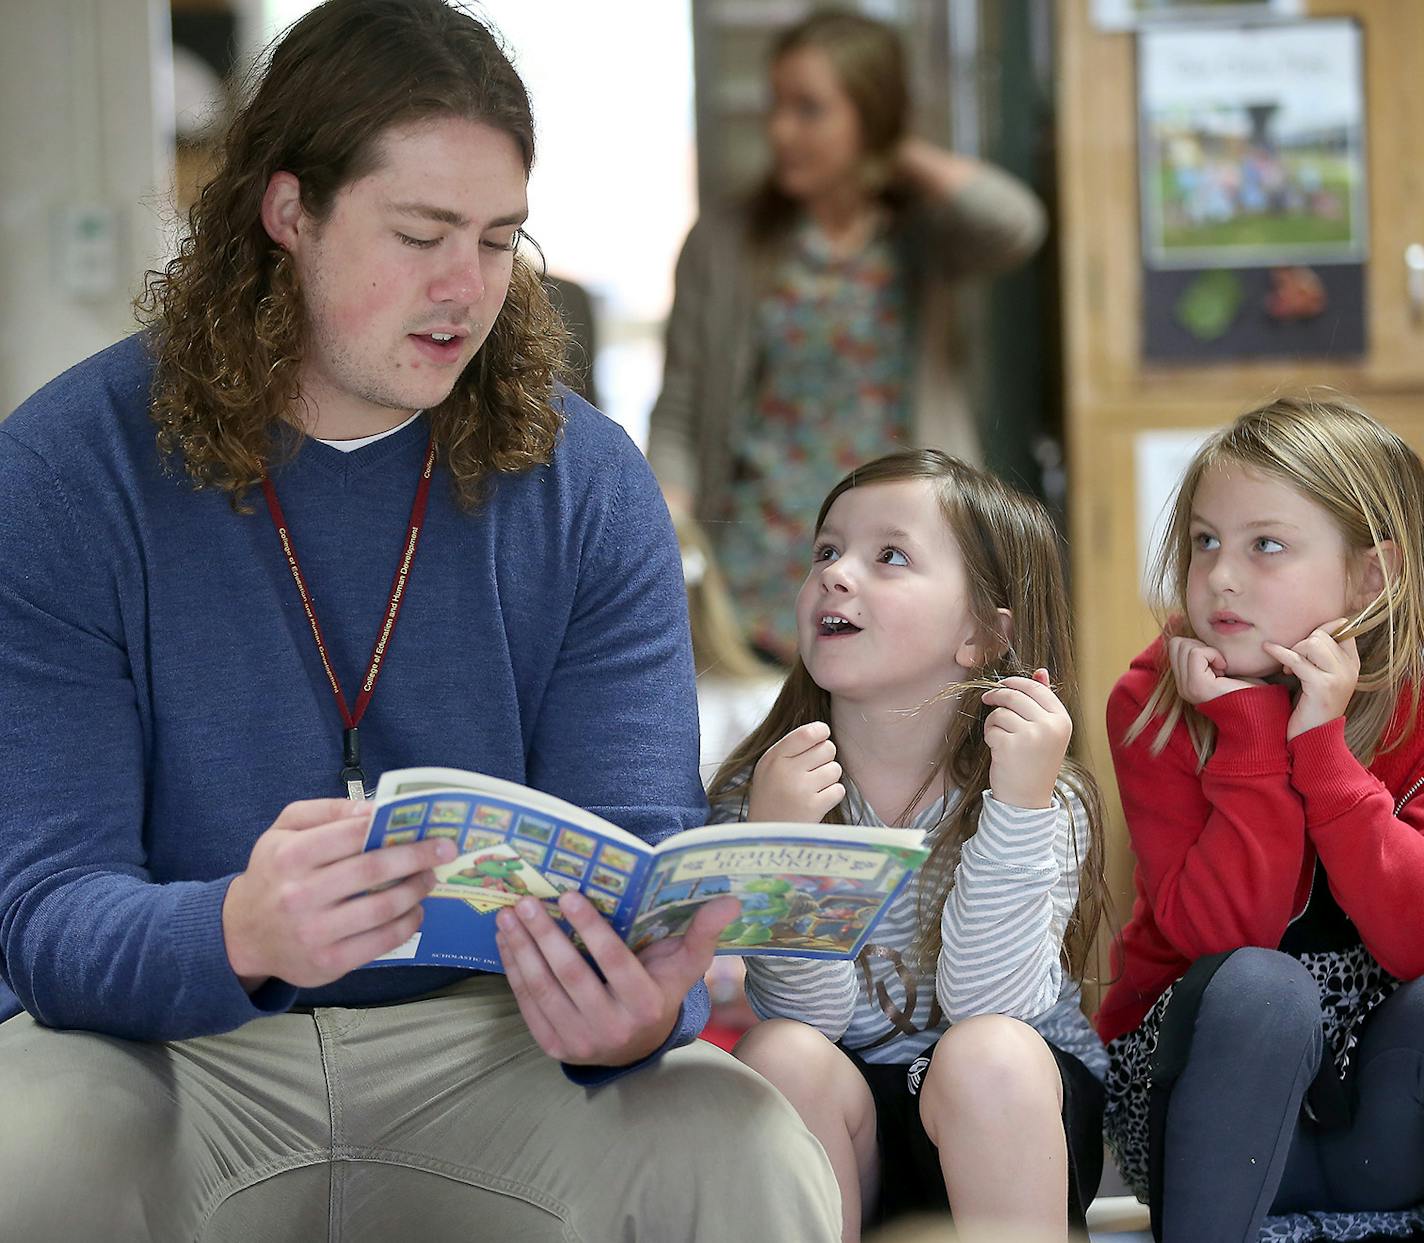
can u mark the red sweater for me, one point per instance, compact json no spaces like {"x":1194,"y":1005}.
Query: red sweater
{"x":1225,"y":856}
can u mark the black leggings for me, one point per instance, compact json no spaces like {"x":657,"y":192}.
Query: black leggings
{"x":1237,"y":1145}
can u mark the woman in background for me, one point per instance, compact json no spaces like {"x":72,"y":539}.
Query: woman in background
{"x":810,"y":328}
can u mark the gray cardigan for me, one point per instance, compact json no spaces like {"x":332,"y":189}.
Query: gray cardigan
{"x":992,"y":223}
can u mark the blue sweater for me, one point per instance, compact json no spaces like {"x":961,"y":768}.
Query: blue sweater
{"x":162,"y":698}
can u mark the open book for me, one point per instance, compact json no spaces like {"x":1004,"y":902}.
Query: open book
{"x":810,"y":890}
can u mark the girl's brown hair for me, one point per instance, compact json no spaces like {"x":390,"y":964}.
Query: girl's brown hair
{"x":225,"y":317}
{"x":870,"y":63}
{"x":1372,"y":486}
{"x":1012,"y":561}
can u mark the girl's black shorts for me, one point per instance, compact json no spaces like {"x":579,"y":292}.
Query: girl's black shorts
{"x":910,"y":1177}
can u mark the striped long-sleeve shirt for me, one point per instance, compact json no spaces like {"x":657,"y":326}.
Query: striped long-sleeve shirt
{"x":1002,"y":927}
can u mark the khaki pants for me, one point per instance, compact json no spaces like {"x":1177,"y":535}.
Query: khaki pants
{"x":435,"y":1119}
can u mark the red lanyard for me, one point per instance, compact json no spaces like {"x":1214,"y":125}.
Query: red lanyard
{"x":351,"y":775}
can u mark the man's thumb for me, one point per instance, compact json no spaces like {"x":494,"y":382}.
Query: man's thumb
{"x":700,"y":939}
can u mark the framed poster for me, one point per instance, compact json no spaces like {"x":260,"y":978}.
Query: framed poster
{"x":1252,"y":179}
{"x":1134,"y":14}
{"x":1252,"y":145}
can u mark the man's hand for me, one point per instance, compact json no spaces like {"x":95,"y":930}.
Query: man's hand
{"x":302,"y":911}
{"x":620,"y":1019}
{"x":1200,"y":671}
{"x":1027,"y":735}
{"x":797,"y":779}
{"x":1328,"y":672}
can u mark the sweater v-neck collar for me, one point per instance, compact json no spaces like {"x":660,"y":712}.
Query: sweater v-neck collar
{"x":348,"y":465}
{"x":353,"y":443}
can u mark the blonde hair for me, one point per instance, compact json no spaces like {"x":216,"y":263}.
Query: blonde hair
{"x":1372,"y":486}
{"x":719,"y":644}
{"x":1012,"y":561}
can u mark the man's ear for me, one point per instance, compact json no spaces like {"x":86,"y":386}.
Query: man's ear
{"x":282,"y":209}
{"x":987,"y":646}
{"x":1373,"y":565}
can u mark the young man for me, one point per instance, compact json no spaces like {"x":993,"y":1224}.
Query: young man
{"x":201,"y":529}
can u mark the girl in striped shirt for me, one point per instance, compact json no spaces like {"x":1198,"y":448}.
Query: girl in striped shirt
{"x":950,"y":1064}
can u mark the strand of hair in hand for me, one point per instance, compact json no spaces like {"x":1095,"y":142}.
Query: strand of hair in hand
{"x":1373,"y":615}
{"x":974,"y":686}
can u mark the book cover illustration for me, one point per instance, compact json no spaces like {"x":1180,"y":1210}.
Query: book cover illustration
{"x":490,"y":878}
{"x":807,"y":890}
{"x":805,"y":898}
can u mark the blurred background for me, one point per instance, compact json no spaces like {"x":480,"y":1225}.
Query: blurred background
{"x":110,"y":109}
{"x":1208,"y":244}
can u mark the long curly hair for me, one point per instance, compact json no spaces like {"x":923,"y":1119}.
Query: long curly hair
{"x":1012,"y":560}
{"x":225,"y":318}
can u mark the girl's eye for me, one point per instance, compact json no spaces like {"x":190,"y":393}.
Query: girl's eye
{"x":824,"y":553}
{"x":1267,"y":544}
{"x":1203,"y":542}
{"x":893,"y":556}
{"x":420,"y":243}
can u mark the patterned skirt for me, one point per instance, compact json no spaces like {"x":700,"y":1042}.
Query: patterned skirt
{"x":1351,"y":985}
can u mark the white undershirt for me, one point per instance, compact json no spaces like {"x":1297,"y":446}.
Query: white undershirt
{"x":347,"y":446}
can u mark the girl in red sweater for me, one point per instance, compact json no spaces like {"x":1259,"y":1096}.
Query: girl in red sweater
{"x":1266,"y":1023}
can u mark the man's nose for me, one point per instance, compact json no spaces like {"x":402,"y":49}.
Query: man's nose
{"x":461,"y":282}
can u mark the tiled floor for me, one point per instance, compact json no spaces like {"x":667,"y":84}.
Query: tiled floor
{"x":1118,"y":1219}
{"x":1120,"y":1236}
{"x":1115,"y":1203}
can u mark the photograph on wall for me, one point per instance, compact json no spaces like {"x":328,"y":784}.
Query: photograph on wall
{"x":1252,"y":145}
{"x":1135,"y":14}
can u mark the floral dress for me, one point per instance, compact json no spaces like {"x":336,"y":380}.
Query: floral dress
{"x":832,"y":392}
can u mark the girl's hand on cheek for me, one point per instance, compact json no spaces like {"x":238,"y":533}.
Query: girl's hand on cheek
{"x":1200,"y":671}
{"x":798,"y":778}
{"x":1327,"y":671}
{"x":1027,"y":734}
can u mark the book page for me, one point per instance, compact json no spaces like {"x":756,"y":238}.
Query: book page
{"x":513,"y":842}
{"x":404,"y":781}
